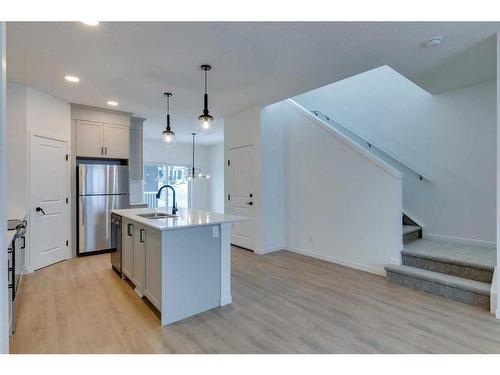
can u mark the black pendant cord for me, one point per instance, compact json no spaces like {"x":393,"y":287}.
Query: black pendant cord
{"x":168,"y":95}
{"x":205,"y":68}
{"x":192,"y":168}
{"x":205,"y":97}
{"x":168,"y":113}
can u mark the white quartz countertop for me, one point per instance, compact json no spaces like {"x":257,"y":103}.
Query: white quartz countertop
{"x":14,"y":215}
{"x":10,"y":236}
{"x":186,"y":217}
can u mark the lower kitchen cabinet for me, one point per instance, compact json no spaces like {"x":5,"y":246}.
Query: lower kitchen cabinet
{"x":141,"y":260}
{"x":128,"y":249}
{"x":153,"y":267}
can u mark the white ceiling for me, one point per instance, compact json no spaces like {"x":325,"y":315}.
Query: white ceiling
{"x":254,"y":63}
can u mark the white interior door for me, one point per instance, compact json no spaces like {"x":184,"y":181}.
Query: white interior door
{"x":241,"y":193}
{"x":49,"y":188}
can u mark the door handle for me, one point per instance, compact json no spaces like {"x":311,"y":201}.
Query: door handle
{"x":250,"y":203}
{"x":129,"y":231}
{"x":40,"y":209}
{"x":141,"y":235}
{"x":23,"y":246}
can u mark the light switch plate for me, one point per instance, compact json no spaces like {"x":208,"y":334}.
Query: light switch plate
{"x":215,"y":231}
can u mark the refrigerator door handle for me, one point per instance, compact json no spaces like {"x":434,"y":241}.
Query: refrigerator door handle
{"x":82,"y":211}
{"x":108,"y":214}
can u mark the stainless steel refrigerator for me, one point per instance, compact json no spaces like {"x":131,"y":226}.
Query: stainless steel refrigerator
{"x":101,"y":188}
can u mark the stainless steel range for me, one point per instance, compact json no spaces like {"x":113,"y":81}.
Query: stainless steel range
{"x":16,"y":259}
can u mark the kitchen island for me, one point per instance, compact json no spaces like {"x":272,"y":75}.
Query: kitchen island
{"x":181,"y":264}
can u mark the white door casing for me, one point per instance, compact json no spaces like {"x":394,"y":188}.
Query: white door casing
{"x":242,"y":195}
{"x":49,"y":187}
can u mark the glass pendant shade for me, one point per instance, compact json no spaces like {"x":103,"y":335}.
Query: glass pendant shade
{"x":168,"y":137}
{"x":206,"y":124}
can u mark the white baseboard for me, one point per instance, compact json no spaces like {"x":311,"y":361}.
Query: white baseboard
{"x":493,"y":304}
{"x":493,"y":294}
{"x":342,"y":262}
{"x":226,"y":300}
{"x":458,"y":240}
{"x":271,"y":250}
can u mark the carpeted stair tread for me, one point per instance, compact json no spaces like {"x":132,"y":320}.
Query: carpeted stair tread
{"x":465,"y":255}
{"x":444,"y":279}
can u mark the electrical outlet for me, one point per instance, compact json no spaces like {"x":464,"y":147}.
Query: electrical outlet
{"x":215,"y":231}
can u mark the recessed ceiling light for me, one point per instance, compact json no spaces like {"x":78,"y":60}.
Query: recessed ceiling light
{"x":72,"y":78}
{"x":112,"y":103}
{"x":91,"y":23}
{"x":433,"y":42}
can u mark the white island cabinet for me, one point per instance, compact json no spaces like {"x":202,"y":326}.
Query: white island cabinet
{"x":182,"y":265}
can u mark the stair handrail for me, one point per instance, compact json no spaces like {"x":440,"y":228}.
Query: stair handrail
{"x":370,"y":144}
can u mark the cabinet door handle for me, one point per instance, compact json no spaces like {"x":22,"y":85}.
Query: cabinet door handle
{"x":129,"y":229}
{"x":102,"y":150}
{"x":141,"y":235}
{"x":105,"y":150}
{"x":23,"y":246}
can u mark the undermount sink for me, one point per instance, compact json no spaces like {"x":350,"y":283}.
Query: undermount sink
{"x":157,"y":215}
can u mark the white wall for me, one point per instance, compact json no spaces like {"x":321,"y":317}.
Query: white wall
{"x":272,"y":179}
{"x":48,"y":115}
{"x":4,"y":313}
{"x":449,"y":137}
{"x":340,"y":203}
{"x":497,"y":271}
{"x":216,"y":171}
{"x":318,"y":193}
{"x":246,"y":128}
{"x":29,"y":110}
{"x":17,"y":134}
{"x":181,"y":154}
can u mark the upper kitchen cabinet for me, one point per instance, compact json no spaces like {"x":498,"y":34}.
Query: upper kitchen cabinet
{"x":101,"y":133}
{"x":136,"y":150}
{"x":89,"y":139}
{"x":116,"y":141}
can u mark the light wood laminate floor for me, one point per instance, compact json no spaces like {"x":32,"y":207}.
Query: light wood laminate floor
{"x":282,"y":303}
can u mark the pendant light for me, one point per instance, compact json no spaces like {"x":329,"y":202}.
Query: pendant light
{"x":168,"y":136}
{"x":206,"y":122}
{"x":195,"y":172}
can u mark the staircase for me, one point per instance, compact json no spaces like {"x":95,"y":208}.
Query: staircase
{"x":459,"y":272}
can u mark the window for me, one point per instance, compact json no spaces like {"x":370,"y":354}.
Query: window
{"x":157,"y":175}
